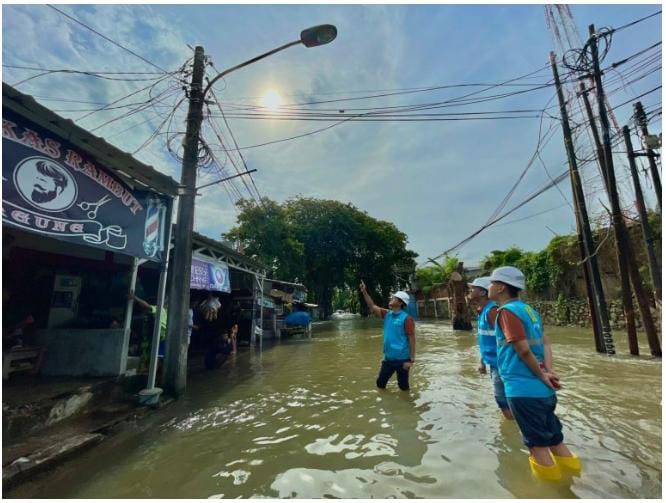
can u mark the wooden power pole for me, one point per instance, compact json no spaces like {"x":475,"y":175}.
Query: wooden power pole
{"x":623,"y":244}
{"x":641,"y":119}
{"x":655,"y":273}
{"x":627,"y":302}
{"x":175,"y":364}
{"x":589,"y":256}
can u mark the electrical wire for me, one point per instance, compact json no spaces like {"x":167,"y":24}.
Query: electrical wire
{"x":107,"y":38}
{"x":240,"y":154}
{"x":637,"y":21}
{"x":102,"y":72}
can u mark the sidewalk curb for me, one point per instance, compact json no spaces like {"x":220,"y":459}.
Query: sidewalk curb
{"x":21,"y":469}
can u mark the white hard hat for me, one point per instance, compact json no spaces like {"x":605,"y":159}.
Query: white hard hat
{"x":403,"y":296}
{"x":482,"y":282}
{"x":509,"y":275}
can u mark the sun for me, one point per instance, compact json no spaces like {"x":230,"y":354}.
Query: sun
{"x":272,"y":100}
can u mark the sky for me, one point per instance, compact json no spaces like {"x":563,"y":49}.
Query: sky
{"x":437,"y":181}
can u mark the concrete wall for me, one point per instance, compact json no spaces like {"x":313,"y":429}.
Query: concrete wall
{"x":71,"y":352}
{"x":574,"y":312}
{"x":427,"y":309}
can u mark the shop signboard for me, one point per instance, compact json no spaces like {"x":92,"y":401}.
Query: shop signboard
{"x":52,"y":188}
{"x":210,"y":275}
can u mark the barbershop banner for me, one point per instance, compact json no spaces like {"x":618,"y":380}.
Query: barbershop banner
{"x":210,"y":275}
{"x":51,"y":188}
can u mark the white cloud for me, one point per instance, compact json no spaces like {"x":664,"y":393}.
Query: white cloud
{"x":438,"y":181}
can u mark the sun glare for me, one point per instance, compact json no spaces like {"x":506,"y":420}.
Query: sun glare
{"x":272,"y":100}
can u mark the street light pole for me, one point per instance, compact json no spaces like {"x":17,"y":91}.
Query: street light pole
{"x":175,"y":364}
{"x":175,"y":368}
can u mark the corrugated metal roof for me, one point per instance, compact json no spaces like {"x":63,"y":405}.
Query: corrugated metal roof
{"x":225,"y":249}
{"x":298,"y":285}
{"x":132,"y":171}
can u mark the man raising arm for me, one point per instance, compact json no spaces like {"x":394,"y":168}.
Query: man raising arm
{"x":399,"y":338}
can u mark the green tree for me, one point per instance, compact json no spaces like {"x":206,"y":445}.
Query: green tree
{"x":429,"y":276}
{"x":264,"y":231}
{"x":328,"y":244}
{"x":499,"y":258}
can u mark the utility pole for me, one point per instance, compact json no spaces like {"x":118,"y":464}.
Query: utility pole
{"x":589,"y":289}
{"x":175,"y":364}
{"x":655,"y":273}
{"x":589,"y":257}
{"x":623,"y":244}
{"x":627,"y":302}
{"x":642,"y":123}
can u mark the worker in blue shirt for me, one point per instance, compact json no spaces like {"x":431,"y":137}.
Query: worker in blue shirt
{"x":487,"y":312}
{"x":525,"y":362}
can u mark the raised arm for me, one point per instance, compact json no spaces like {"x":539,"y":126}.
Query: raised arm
{"x":368,"y":300}
{"x":138,"y":300}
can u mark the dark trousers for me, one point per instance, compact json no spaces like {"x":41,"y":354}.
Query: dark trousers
{"x":537,"y":420}
{"x":385,"y":373}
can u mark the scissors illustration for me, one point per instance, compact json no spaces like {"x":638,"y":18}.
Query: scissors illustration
{"x":93,"y":207}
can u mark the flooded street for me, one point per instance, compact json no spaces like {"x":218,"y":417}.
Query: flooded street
{"x":303,"y":419}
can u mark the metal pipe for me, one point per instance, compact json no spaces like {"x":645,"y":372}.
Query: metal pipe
{"x":161,"y":289}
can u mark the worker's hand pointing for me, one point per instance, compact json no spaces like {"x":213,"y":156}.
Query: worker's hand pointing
{"x":363,"y":288}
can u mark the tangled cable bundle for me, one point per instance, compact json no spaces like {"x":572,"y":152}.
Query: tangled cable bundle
{"x":580,"y":60}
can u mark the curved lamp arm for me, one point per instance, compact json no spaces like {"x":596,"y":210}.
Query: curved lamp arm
{"x":310,"y":37}
{"x":248,"y":62}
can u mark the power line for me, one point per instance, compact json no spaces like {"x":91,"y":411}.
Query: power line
{"x":38,"y":68}
{"x":134,"y":111}
{"x":638,"y":97}
{"x":637,"y":21}
{"x":107,"y":38}
{"x":233,"y":138}
{"x":133,"y":93}
{"x":531,"y":216}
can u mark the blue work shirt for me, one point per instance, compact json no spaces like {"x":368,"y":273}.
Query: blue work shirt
{"x":519,"y":380}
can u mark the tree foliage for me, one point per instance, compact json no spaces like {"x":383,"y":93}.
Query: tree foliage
{"x":327,"y":245}
{"x":429,"y":276}
{"x":542,"y":269}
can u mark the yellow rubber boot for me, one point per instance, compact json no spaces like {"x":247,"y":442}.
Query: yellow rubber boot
{"x":543,"y":472}
{"x":571,"y":463}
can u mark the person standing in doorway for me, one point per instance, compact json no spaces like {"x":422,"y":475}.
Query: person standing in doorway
{"x":399,"y":338}
{"x":525,"y":360}
{"x":190,"y":320}
{"x":485,"y":326}
{"x":152,"y":308}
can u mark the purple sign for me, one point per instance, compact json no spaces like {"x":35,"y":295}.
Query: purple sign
{"x":210,"y":276}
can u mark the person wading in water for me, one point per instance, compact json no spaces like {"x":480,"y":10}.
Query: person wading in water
{"x":524,"y":360}
{"x":399,"y":338}
{"x":485,"y":326}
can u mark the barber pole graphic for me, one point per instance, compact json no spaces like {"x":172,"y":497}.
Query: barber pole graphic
{"x":153,"y":232}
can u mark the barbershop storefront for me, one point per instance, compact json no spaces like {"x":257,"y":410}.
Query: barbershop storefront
{"x":83,"y":223}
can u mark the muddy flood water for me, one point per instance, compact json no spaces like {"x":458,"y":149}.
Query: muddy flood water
{"x":303,"y":419}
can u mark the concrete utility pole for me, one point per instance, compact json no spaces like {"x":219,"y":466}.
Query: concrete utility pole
{"x":589,"y":256}
{"x":175,"y":364}
{"x":642,"y":123}
{"x":655,"y":273}
{"x":175,"y":370}
{"x":622,"y":240}
{"x":627,"y":302}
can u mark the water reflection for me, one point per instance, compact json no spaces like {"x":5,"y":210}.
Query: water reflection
{"x":304,"y":420}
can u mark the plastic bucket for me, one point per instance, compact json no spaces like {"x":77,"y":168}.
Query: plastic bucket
{"x":150,"y":397}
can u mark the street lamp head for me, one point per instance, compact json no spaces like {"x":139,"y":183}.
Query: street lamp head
{"x":318,"y":35}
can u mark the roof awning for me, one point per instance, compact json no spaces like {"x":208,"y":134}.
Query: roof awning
{"x":128,"y":168}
